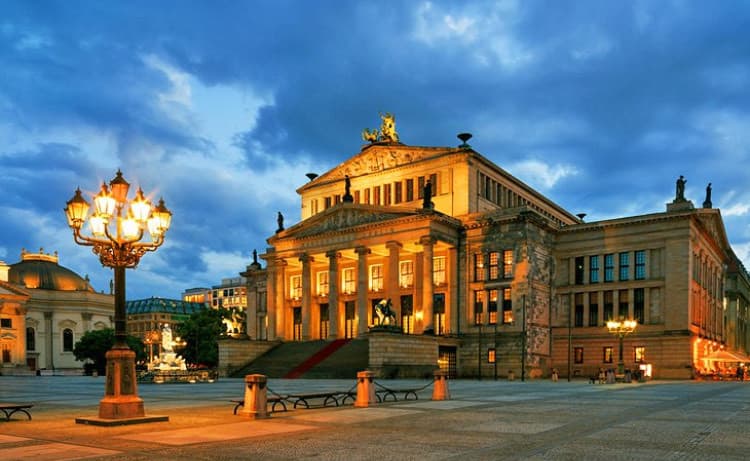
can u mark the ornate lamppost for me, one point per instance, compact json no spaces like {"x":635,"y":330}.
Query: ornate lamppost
{"x":116,"y":229}
{"x":620,"y":329}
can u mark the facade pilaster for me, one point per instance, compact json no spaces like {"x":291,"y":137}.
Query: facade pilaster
{"x":48,"y":341}
{"x":392,"y":275}
{"x":306,"y":259}
{"x":280,"y":301}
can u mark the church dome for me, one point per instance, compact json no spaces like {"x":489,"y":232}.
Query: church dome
{"x":41,"y":271}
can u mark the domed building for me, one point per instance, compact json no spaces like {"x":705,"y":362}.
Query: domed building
{"x":44,"y":310}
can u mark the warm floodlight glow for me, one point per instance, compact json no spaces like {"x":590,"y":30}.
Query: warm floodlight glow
{"x":105,"y":203}
{"x":140,"y":207}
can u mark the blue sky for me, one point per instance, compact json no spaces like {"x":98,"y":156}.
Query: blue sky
{"x":221,"y":107}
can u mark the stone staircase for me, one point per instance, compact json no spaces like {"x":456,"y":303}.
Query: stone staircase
{"x":343,"y":362}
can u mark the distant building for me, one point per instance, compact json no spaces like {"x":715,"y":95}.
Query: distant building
{"x":197,"y":295}
{"x":231,"y":293}
{"x":147,"y":317}
{"x":45,"y":308}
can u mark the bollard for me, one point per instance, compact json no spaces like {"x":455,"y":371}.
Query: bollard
{"x":365,"y":389}
{"x":440,"y":386}
{"x":255,"y":397}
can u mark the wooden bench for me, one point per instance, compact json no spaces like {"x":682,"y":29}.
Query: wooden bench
{"x":383,"y":394}
{"x":328,"y":398}
{"x":279,"y":400}
{"x":11,"y":408}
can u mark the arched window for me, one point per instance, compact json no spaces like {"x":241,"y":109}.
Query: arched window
{"x":67,"y":340}
{"x":30,"y":339}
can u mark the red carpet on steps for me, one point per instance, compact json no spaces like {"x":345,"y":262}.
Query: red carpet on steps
{"x":316,"y":358}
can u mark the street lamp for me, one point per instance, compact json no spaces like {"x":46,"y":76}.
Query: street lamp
{"x":116,"y":227}
{"x":620,"y":329}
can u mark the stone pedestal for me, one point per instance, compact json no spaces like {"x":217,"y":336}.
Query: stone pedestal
{"x":365,"y":389}
{"x":440,"y":386}
{"x":121,"y":391}
{"x":256,"y":397}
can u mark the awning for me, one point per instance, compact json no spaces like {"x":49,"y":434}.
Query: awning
{"x":726,"y":356}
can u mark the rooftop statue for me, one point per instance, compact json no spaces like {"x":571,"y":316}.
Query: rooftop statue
{"x":387,"y":131}
{"x":680,"y":189}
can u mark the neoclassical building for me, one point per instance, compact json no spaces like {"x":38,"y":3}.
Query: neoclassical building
{"x":44,"y":310}
{"x":486,"y":275}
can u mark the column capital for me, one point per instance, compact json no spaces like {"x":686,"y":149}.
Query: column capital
{"x":393,"y":244}
{"x":427,"y":240}
{"x":333,"y":254}
{"x":306,"y":258}
{"x":362,"y":250}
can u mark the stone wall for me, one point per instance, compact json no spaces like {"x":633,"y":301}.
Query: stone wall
{"x":236,"y":353}
{"x":394,"y":355}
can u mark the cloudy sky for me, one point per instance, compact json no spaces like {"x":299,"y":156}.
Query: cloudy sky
{"x":221,"y":107}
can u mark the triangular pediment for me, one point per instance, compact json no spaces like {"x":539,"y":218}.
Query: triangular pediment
{"x":343,"y":217}
{"x":376,"y":158}
{"x":714,"y":226}
{"x":7,"y":289}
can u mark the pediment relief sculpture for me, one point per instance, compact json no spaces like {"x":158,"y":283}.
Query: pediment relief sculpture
{"x":343,"y":219}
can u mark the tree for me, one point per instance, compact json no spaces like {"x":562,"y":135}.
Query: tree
{"x":94,"y":345}
{"x":201,"y":333}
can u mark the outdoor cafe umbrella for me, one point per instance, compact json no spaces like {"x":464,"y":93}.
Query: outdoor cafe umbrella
{"x":726,"y":356}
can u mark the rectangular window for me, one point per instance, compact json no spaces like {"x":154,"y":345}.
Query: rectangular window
{"x":407,"y":313}
{"x":487,"y":188}
{"x":494,"y":258}
{"x":420,"y":187}
{"x":624,"y":266}
{"x":639,"y":305}
{"x":323,"y":283}
{"x":376,"y":195}
{"x":295,"y":286}
{"x":386,"y":194}
{"x":492,"y":307}
{"x":438,"y":270}
{"x":337,"y":199}
{"x":478,"y":307}
{"x":594,"y":269}
{"x":607,"y":354}
{"x":479,"y":274}
{"x":640,"y":265}
{"x":578,"y":355}
{"x":639,"y":354}
{"x":367,"y":196}
{"x":622,"y":307}
{"x":579,"y":270}
{"x":356,"y":196}
{"x":347,"y":280}
{"x":593,"y":309}
{"x":376,"y":277}
{"x":507,"y":306}
{"x":409,"y":190}
{"x":508,"y":264}
{"x":609,"y":268}
{"x":406,"y":274}
{"x":327,"y":203}
{"x":398,"y":192}
{"x":6,"y":323}
{"x":434,"y":182}
{"x":609,"y":313}
{"x":578,"y":310}
{"x":491,"y":355}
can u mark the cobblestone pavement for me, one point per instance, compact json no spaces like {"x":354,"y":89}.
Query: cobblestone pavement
{"x":483,"y":420}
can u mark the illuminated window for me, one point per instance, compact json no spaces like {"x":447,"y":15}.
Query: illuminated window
{"x":438,"y":270}
{"x":507,"y":306}
{"x":295,"y":286}
{"x":376,"y":277}
{"x":491,"y":355}
{"x":508,"y":264}
{"x":492,"y":307}
{"x":479,"y":267}
{"x":407,"y":314}
{"x":607,"y":354}
{"x":639,"y":354}
{"x":494,"y":257}
{"x":323,"y":283}
{"x":347,"y":280}
{"x":578,"y":355}
{"x":406,"y":274}
{"x":478,"y":307}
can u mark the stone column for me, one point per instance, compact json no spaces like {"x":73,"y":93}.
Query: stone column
{"x":365,"y":389}
{"x":251,"y":291}
{"x":451,"y":303}
{"x":392,"y":277}
{"x":271,"y":267}
{"x":362,"y":252}
{"x":280,"y":300}
{"x":427,"y":243}
{"x":86,"y":317}
{"x":333,"y":294}
{"x":256,"y":399}
{"x":306,"y":296}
